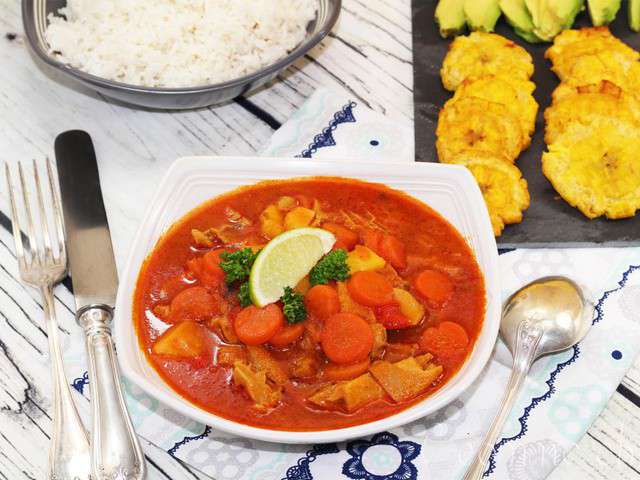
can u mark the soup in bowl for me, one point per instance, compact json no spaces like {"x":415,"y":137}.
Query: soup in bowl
{"x":309,"y":304}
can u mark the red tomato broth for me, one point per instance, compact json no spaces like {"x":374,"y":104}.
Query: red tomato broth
{"x":430,"y":243}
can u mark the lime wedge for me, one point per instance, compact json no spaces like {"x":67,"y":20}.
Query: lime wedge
{"x":285,"y":260}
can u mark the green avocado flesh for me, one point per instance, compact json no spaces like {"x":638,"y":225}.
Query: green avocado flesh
{"x":550,"y":17}
{"x":482,"y":14}
{"x":603,"y":12}
{"x":634,"y":15}
{"x":450,"y":17}
{"x":516,"y":13}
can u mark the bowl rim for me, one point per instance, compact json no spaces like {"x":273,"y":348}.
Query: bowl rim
{"x":302,"y":49}
{"x":482,"y":349}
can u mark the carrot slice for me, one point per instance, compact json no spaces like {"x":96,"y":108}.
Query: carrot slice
{"x":194,"y":303}
{"x":371,"y":239}
{"x":346,"y":238}
{"x":392,"y":250}
{"x":211,"y":261}
{"x":346,"y":338}
{"x":322,"y":301}
{"x":391,"y":317}
{"x":370,"y":289}
{"x":449,"y":339}
{"x":336,"y":372}
{"x":287,"y":335}
{"x":434,"y":286}
{"x":255,"y":326}
{"x":207,"y":268}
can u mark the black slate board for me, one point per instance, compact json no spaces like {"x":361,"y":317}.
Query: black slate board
{"x":549,"y":221}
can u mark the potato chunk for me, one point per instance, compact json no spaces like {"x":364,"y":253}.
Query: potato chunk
{"x":228,"y":355}
{"x":286,"y":203}
{"x":394,"y":352}
{"x":362,"y":259}
{"x":205,"y":238}
{"x":348,"y":305}
{"x":223,"y":325}
{"x":349,"y":395}
{"x":361,"y":391}
{"x":379,"y":340}
{"x":299,"y":217}
{"x":262,"y":361}
{"x":304,"y":367}
{"x":263,"y":395}
{"x":184,"y":340}
{"x":407,"y":378}
{"x":409,"y":306}
{"x":271,"y":222}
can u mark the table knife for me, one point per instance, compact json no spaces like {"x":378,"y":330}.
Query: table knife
{"x":115,"y":450}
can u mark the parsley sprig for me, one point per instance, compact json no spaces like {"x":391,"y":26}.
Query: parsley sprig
{"x":237,"y":265}
{"x":333,"y":266}
{"x":244,"y":296}
{"x":293,"y":306}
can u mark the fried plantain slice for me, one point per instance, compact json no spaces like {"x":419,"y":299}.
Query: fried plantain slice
{"x":471,"y":122}
{"x":504,"y":190}
{"x":577,"y":52}
{"x":565,"y":90}
{"x":569,"y":36}
{"x":480,"y":54}
{"x":595,"y":168}
{"x":589,"y":105}
{"x":606,"y":65}
{"x":515,"y":94}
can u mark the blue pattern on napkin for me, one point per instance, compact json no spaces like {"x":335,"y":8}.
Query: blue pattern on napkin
{"x":81,"y":382}
{"x":301,"y":471}
{"x":355,"y":467}
{"x":185,"y":440}
{"x":325,"y":138}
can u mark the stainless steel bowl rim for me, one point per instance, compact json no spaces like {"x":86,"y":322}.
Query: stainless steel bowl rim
{"x":99,"y":82}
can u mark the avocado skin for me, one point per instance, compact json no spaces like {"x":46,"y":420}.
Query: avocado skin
{"x":482,"y":14}
{"x":634,"y":15}
{"x":450,"y":16}
{"x":517,"y":15}
{"x":603,"y":12}
{"x":550,"y":17}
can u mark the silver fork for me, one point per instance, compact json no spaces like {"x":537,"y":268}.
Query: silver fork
{"x":43,"y":264}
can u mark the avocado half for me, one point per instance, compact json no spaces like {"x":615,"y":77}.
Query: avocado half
{"x":603,"y":12}
{"x":634,"y":15}
{"x":450,"y":17}
{"x":482,"y":14}
{"x":550,"y":17}
{"x":518,"y":16}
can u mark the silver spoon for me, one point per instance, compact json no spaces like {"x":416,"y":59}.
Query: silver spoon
{"x":546,"y":316}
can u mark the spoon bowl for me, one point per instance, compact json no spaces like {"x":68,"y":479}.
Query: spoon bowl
{"x":556,"y":305}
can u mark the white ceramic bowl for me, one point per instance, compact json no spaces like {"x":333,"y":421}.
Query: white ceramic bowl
{"x":450,"y":190}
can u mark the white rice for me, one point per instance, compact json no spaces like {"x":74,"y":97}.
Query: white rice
{"x":177,"y":43}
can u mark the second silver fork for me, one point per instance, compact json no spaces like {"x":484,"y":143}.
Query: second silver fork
{"x":42,"y":262}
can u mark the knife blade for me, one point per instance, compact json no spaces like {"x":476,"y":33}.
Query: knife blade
{"x":115,"y":449}
{"x":91,"y":260}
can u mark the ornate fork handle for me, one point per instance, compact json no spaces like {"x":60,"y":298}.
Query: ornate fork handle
{"x":116,"y":452}
{"x":69,"y":451}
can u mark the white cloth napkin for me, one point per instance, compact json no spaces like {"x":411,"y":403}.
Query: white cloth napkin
{"x":561,"y":398}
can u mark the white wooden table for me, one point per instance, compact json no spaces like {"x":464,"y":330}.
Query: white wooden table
{"x":368,"y":55}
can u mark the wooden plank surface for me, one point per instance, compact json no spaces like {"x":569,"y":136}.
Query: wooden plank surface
{"x":368,"y":55}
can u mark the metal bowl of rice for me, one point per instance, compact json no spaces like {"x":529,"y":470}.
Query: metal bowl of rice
{"x":167,"y":54}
